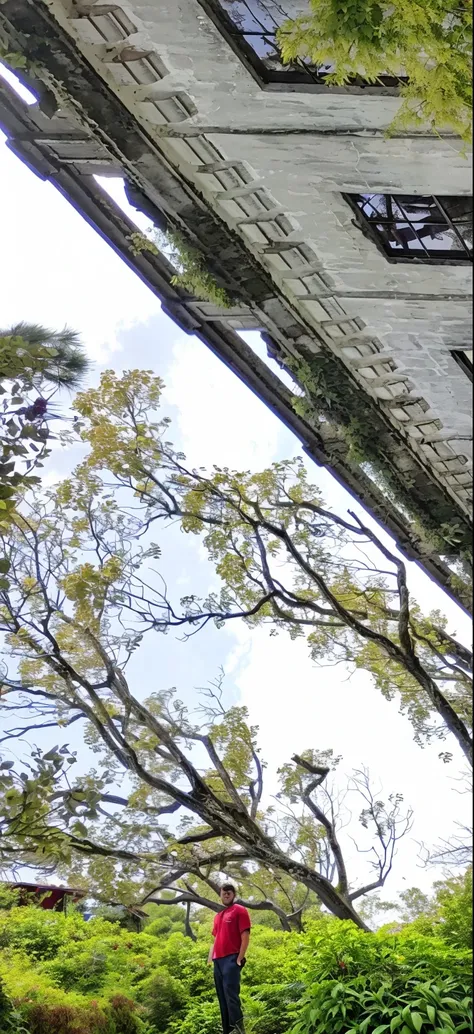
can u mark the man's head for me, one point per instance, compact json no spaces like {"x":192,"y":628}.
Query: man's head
{"x":227,"y":893}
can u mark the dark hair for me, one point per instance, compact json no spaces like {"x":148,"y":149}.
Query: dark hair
{"x":229,"y":886}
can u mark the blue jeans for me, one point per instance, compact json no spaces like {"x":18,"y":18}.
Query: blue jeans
{"x":227,"y":981}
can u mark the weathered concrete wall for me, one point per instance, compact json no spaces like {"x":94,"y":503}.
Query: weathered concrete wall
{"x":273,"y":163}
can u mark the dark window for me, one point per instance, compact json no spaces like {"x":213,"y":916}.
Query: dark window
{"x":463,"y":357}
{"x":250,"y":26}
{"x":413,"y":227}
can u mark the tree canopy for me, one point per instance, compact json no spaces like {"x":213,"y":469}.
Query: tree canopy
{"x":283,"y":558}
{"x":33,"y":360}
{"x":426,"y":45}
{"x":176,"y":795}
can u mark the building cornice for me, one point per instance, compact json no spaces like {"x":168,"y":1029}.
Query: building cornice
{"x":122,"y":142}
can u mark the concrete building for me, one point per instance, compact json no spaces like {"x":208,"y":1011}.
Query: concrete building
{"x":349,"y":250}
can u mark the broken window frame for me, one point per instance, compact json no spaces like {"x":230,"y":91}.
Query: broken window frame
{"x":297,"y":73}
{"x":425,"y":255}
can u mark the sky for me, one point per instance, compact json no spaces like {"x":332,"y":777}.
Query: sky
{"x":55,"y":270}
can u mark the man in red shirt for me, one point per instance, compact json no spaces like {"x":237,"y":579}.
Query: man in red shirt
{"x":231,"y":933}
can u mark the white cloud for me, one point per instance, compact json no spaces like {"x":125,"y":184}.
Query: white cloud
{"x":220,"y":420}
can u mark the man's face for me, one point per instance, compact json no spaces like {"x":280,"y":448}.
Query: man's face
{"x":227,"y":896}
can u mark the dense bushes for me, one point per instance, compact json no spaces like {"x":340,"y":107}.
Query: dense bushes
{"x":10,"y":1022}
{"x":386,"y":982}
{"x":65,"y":976}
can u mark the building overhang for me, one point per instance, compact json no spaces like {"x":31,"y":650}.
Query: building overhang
{"x":80,"y":128}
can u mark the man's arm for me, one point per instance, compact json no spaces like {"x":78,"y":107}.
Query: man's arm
{"x":211,"y":952}
{"x":244,"y":943}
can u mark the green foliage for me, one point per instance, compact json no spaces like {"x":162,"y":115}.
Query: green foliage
{"x":38,"y":933}
{"x":12,"y":58}
{"x":31,"y":357}
{"x":333,"y":978}
{"x":414,"y":1006}
{"x":192,"y":274}
{"x":428,"y":42}
{"x":10,"y":1020}
{"x":340,"y":402}
{"x":33,"y":353}
{"x":453,"y":904}
{"x":164,"y":996}
{"x":203,"y":1017}
{"x":373,"y":984}
{"x":449,"y":914}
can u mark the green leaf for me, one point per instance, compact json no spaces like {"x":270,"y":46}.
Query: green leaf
{"x":52,"y":754}
{"x":430,"y":1009}
{"x":79,"y":829}
{"x":4,"y":565}
{"x":395,"y":1023}
{"x":417,"y":1021}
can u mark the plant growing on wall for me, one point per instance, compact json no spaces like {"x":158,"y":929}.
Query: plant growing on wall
{"x":192,"y":274}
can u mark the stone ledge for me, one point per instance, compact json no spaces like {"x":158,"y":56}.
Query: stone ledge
{"x":126,"y":147}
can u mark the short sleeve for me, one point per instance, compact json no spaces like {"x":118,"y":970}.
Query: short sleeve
{"x":244,"y":920}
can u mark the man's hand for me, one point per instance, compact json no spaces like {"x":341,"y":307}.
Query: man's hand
{"x":244,"y":943}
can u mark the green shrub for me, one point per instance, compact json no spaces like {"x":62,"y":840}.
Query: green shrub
{"x":164,"y":997}
{"x":202,"y":1018}
{"x":358,"y":1007}
{"x":365,"y":983}
{"x":83,"y":971}
{"x":450,"y":915}
{"x":65,"y":976}
{"x":67,"y":1019}
{"x":118,"y":1016}
{"x":10,"y":1020}
{"x":39,"y":933}
{"x":454,"y":901}
{"x":159,"y":926}
{"x":271,"y":1008}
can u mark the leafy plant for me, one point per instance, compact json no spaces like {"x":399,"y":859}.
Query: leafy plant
{"x":429,"y":42}
{"x":385,"y":983}
{"x":337,"y":400}
{"x":444,"y":1007}
{"x":31,"y":358}
{"x":332,"y":979}
{"x":192,"y":273}
{"x":10,"y":1020}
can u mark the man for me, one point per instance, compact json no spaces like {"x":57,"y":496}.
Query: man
{"x":231,"y":933}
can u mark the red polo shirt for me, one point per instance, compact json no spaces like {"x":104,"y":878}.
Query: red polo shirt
{"x":229,"y":925}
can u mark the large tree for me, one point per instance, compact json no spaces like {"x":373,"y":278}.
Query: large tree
{"x":283,"y":559}
{"x":175,"y":797}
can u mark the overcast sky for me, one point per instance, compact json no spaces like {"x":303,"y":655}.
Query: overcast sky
{"x":55,"y":270}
